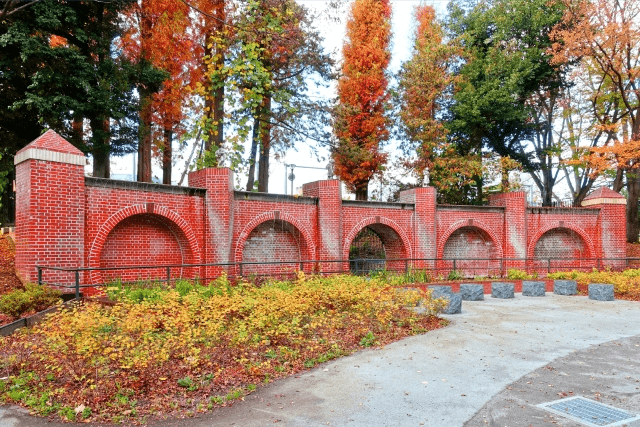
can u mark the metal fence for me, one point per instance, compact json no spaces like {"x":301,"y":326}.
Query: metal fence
{"x":456,"y":268}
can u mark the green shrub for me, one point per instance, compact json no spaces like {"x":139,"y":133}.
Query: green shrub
{"x":515,"y":274}
{"x":32,"y":298}
{"x":455,"y":275}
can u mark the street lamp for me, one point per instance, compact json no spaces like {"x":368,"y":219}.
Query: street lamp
{"x":290,"y":175}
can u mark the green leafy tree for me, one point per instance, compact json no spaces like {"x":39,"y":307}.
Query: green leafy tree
{"x":73,"y":75}
{"x":425,"y":85}
{"x":290,"y":54}
{"x":507,"y":97}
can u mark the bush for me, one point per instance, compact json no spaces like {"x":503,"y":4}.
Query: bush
{"x":157,"y":347}
{"x":32,"y":298}
{"x":626,"y":284}
{"x":515,"y":274}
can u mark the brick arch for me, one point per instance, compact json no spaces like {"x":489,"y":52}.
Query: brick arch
{"x":372,"y":220}
{"x":476,"y":224}
{"x":124,"y":213}
{"x":572,"y":227}
{"x":307,"y":239}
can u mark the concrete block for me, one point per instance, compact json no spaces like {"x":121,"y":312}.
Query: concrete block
{"x":455,"y":304}
{"x":502,"y":290}
{"x":565,"y":287}
{"x":532,"y":289}
{"x":472,"y":292}
{"x":438,"y":291}
{"x":601,"y":292}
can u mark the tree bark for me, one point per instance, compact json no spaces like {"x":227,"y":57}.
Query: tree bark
{"x":100,"y":147}
{"x":167,"y":156}
{"x":215,"y":95}
{"x":265,"y":146}
{"x":633,"y":188}
{"x":252,"y":155}
{"x":77,"y":137}
{"x":362,"y":192}
{"x":144,"y":144}
{"x":618,"y":182}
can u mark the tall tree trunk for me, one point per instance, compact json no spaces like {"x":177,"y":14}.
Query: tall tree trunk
{"x":77,"y":129}
{"x":362,"y":192}
{"x":100,"y":127}
{"x":618,"y":182}
{"x":167,"y":155}
{"x":100,"y":147}
{"x":144,"y":141}
{"x":265,"y":146}
{"x":215,"y":92}
{"x":144,"y":144}
{"x":633,"y":185}
{"x":633,"y":188}
{"x":218,"y":105}
{"x":252,"y":156}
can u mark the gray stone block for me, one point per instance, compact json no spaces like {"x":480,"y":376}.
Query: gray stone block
{"x":472,"y":292}
{"x":502,"y":290}
{"x":532,"y":289}
{"x":455,"y":304}
{"x":438,"y":291}
{"x":565,"y":287}
{"x":601,"y":292}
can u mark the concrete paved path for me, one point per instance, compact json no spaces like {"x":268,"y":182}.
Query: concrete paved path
{"x":441,"y":379}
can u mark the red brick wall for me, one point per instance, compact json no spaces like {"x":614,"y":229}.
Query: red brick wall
{"x":328,"y":227}
{"x":274,"y":240}
{"x":112,"y":205}
{"x":423,"y":223}
{"x":65,"y":220}
{"x":144,"y":239}
{"x":472,"y":242}
{"x":50,"y":212}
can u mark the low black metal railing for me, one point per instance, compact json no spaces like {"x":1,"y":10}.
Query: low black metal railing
{"x":434,"y":267}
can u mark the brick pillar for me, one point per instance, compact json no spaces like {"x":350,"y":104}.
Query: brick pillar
{"x":329,"y":230}
{"x":514,"y":238}
{"x":218,"y":233}
{"x":610,"y":240}
{"x":50,"y":208}
{"x":425,"y":245}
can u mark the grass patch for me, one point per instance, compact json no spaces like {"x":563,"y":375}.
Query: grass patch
{"x":191,"y":348}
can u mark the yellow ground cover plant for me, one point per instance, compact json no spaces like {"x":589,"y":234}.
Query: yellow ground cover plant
{"x":626,"y":284}
{"x":192,"y":348}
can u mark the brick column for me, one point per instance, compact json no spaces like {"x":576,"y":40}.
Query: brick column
{"x":329,"y":231}
{"x":611,"y":238}
{"x":514,"y":240}
{"x":50,"y":208}
{"x":425,"y":243}
{"x":218,"y":235}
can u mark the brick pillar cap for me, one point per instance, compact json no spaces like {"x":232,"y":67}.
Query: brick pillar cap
{"x":51,"y":141}
{"x":604,"y":195}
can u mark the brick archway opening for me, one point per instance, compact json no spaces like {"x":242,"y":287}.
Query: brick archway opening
{"x":472,"y":249}
{"x":145,"y":239}
{"x":274,"y":240}
{"x":372,"y":246}
{"x":562,"y":248}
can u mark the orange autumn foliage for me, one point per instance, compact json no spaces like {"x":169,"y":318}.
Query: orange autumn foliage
{"x":158,"y":33}
{"x":361,"y":125}
{"x":604,"y":36}
{"x":57,"y":41}
{"x":424,"y":82}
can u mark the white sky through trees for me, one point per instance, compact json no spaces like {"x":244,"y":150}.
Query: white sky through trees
{"x":333,"y":32}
